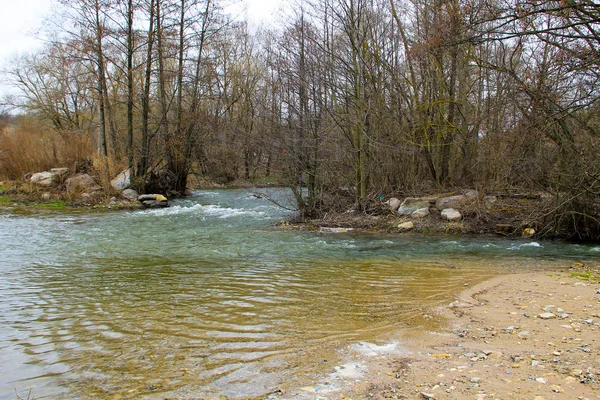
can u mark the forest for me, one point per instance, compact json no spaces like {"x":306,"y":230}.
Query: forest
{"x":340,"y":100}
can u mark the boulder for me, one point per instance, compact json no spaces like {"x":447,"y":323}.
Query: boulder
{"x":450,"y":202}
{"x":406,"y":226}
{"x":153,"y":200}
{"x":122,"y":181}
{"x":420,"y":213}
{"x":60,"y":172}
{"x":451,"y":214}
{"x":82,"y":183}
{"x":412,"y":204}
{"x":49,"y":178}
{"x":456,"y":200}
{"x":154,"y":204}
{"x":42,"y":178}
{"x":130,"y":194}
{"x":393,"y":203}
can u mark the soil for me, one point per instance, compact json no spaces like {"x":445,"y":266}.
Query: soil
{"x":519,"y":336}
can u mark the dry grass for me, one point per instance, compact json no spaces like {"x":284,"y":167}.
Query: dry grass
{"x":27,"y":148}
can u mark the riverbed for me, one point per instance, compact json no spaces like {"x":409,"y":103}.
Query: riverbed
{"x":210,"y":297}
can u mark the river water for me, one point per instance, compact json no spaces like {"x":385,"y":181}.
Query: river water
{"x":210,"y":298}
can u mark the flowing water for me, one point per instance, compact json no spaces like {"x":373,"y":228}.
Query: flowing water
{"x":210,"y":298}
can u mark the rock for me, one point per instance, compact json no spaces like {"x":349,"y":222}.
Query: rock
{"x":541,"y":380}
{"x":82,"y":183}
{"x":547,"y":315}
{"x":49,"y":178}
{"x":427,"y":395}
{"x":470,"y":194}
{"x":456,"y":200}
{"x":334,"y":230}
{"x":130,"y":194}
{"x":528,"y":232}
{"x":451,"y":214}
{"x":122,"y":181}
{"x":406,"y":226}
{"x":393,"y":203}
{"x":420,"y":213}
{"x":412,"y":204}
{"x":46,"y":196}
{"x":42,"y":178}
{"x":153,"y":200}
{"x":60,"y":172}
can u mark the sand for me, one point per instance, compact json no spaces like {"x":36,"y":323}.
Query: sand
{"x":519,"y":336}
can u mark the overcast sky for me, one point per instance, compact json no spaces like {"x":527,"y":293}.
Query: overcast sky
{"x":20,"y":19}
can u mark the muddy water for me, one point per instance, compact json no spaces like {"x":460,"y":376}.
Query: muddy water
{"x":208,"y":298}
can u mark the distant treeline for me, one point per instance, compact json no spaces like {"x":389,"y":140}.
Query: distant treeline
{"x":348,"y":98}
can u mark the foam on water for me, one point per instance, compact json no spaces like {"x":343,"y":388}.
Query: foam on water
{"x":532,"y":244}
{"x":525,"y":245}
{"x":201,"y":210}
{"x":224,"y":212}
{"x":372,"y":349}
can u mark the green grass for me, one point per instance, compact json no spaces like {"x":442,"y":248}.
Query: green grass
{"x":57,"y":204}
{"x":585,"y":276}
{"x":4,"y":200}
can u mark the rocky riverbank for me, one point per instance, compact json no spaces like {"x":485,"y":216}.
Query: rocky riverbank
{"x":59,"y":188}
{"x":532,"y":336}
{"x":459,"y":212}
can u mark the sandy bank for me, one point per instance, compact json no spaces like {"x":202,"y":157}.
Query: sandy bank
{"x":519,"y":336}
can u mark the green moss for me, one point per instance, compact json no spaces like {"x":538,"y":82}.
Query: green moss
{"x":5,"y":200}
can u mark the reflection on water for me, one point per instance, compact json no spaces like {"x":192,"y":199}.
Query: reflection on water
{"x":207,"y":298}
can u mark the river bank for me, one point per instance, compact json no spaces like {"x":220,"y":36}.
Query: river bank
{"x":517,"y":336}
{"x":506,"y":213}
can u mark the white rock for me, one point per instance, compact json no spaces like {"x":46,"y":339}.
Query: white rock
{"x":122,"y":180}
{"x":59,"y":171}
{"x":393,"y":203}
{"x":406,"y":226}
{"x":451,"y":214}
{"x":412,"y":204}
{"x":547,"y":315}
{"x":42,"y":178}
{"x":420,"y":213}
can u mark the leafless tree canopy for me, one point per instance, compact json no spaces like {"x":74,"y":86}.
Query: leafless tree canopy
{"x":347,"y":100}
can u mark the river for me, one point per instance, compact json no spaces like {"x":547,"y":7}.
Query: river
{"x":210,"y":298}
